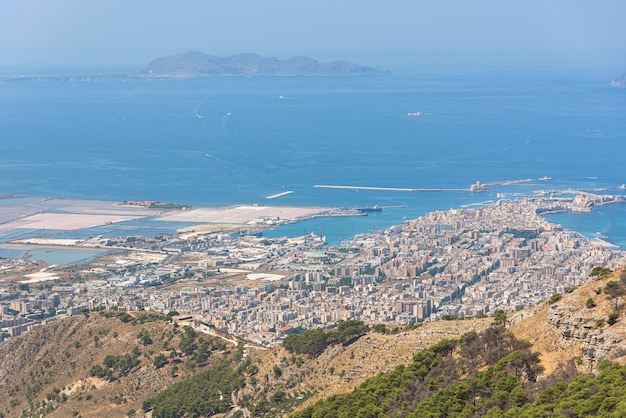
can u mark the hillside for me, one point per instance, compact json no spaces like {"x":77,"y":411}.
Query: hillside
{"x":577,"y":326}
{"x":115,"y":364}
{"x":563,"y":358}
{"x":96,"y":365}
{"x":50,"y":367}
{"x":197,"y":64}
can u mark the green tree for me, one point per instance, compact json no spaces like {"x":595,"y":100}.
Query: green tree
{"x":279,"y":397}
{"x":614,"y":290}
{"x":499,"y":318}
{"x":144,"y":337}
{"x":599,"y":271}
{"x":380,"y":328}
{"x":159,"y":361}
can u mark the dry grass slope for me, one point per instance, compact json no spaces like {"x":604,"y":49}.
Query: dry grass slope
{"x":58,"y":358}
{"x":573,"y":330}
{"x":341,"y":369}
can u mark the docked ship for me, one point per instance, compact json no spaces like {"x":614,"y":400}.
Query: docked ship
{"x":346,"y":212}
{"x":374,"y":208}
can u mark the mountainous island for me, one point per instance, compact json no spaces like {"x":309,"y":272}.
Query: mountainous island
{"x":194,"y":64}
{"x":198,"y":64}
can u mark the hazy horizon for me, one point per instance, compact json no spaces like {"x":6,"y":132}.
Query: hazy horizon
{"x":406,"y":34}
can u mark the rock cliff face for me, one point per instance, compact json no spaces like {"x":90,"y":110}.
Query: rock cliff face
{"x":581,"y":328}
{"x":575,"y":330}
{"x":582,"y":321}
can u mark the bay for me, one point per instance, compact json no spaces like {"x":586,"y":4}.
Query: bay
{"x":605,"y":222}
{"x":231,"y":140}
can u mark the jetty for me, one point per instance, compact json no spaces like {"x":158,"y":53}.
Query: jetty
{"x":475,"y":187}
{"x":391,"y":189}
{"x":388,"y":189}
{"x":274,"y":196}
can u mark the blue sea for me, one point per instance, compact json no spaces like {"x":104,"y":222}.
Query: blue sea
{"x":230,"y":140}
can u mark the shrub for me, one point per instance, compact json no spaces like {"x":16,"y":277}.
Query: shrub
{"x":499,"y":318}
{"x":159,"y":361}
{"x":599,"y":271}
{"x":555,"y":298}
{"x":590,"y":303}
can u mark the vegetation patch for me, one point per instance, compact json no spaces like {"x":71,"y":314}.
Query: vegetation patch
{"x":314,"y":342}
{"x":114,"y":367}
{"x":467,"y":378}
{"x":204,"y":394}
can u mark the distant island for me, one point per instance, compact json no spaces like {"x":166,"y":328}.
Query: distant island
{"x":198,"y":64}
{"x":193,"y":64}
{"x":619,"y":81}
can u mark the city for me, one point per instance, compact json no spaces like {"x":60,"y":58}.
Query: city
{"x":460,"y":263}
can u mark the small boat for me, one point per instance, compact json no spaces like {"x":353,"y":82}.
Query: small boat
{"x":546,"y":178}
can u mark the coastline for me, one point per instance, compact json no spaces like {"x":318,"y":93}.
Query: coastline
{"x":24,"y":228}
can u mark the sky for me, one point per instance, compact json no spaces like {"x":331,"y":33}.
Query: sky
{"x":129,"y":33}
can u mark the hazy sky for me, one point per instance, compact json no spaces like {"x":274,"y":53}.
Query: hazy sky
{"x":116,"y":33}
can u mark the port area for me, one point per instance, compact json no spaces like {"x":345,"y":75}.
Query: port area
{"x":361,"y":211}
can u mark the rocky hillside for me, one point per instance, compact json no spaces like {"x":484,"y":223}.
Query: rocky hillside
{"x":116,"y":364}
{"x":572,"y":366}
{"x":342,"y":368}
{"x":92,"y":365}
{"x":585,"y":325}
{"x":58,"y":369}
